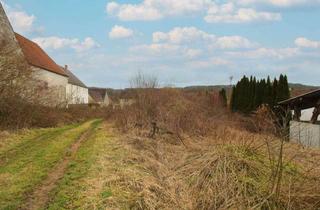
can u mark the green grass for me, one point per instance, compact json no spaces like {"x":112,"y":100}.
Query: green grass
{"x":28,"y":160}
{"x":86,"y":184}
{"x":70,"y":193}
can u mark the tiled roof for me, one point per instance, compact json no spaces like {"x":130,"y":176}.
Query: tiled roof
{"x":38,"y":57}
{"x":73,"y":79}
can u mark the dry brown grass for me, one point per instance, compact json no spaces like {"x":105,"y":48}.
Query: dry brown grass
{"x":230,"y":169}
{"x":203,"y":157}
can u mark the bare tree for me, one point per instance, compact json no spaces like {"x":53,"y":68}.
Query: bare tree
{"x":144,"y":81}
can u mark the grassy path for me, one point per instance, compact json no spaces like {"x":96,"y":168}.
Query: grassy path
{"x":93,"y":176}
{"x":26,"y":163}
{"x":82,"y":166}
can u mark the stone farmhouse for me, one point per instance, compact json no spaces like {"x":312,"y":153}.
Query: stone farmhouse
{"x":60,"y":82}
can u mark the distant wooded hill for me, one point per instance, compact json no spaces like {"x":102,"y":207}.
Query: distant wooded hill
{"x":296,"y":89}
{"x":218,"y":87}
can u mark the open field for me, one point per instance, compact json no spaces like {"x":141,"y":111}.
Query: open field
{"x":93,"y":166}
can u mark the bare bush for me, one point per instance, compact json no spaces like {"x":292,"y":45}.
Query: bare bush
{"x":168,"y":111}
{"x":145,"y":81}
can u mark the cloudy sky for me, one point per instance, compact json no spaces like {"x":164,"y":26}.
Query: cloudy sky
{"x":182,"y":42}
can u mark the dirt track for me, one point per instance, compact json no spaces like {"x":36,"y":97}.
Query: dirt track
{"x":40,"y":196}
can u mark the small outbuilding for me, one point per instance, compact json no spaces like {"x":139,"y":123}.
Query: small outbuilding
{"x":305,"y":126}
{"x":98,"y":97}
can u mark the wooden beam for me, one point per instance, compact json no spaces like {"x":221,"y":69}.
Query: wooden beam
{"x":297,"y":113}
{"x":316,"y":113}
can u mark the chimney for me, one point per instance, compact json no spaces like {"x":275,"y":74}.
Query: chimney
{"x":66,"y":67}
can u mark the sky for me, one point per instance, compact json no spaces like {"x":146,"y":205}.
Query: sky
{"x":181,"y":42}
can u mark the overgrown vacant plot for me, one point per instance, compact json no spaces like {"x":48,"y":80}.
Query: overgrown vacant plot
{"x":109,"y":170}
{"x":26,"y":161}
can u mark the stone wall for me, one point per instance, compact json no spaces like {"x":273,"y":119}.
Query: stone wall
{"x":304,"y":133}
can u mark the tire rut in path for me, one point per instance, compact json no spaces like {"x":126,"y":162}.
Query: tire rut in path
{"x":39,"y":198}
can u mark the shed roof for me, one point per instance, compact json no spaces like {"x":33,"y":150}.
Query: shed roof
{"x":73,"y":79}
{"x":98,"y":94}
{"x":37,"y":57}
{"x":304,"y":101}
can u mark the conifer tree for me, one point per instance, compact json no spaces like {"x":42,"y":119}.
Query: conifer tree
{"x":250,"y":93}
{"x":286,"y":93}
{"x":274,"y":91}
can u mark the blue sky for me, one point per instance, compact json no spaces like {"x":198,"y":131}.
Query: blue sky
{"x":185,"y":42}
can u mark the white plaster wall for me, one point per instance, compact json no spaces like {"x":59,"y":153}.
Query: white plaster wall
{"x":306,"y":114}
{"x":52,"y":79}
{"x":77,"y":94}
{"x":306,"y":134}
{"x":56,"y":84}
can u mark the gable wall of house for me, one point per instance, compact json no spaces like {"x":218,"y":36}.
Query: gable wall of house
{"x":8,"y":43}
{"x":106,"y":101}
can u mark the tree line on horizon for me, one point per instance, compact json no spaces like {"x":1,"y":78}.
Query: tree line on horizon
{"x":250,"y":93}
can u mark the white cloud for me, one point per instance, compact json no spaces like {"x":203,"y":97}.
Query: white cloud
{"x":129,"y":12}
{"x":20,"y":20}
{"x":193,"y":53}
{"x":280,"y":53}
{"x":279,"y":3}
{"x":190,"y":43}
{"x":215,"y":61}
{"x":54,"y":42}
{"x":232,"y":42}
{"x":167,"y":50}
{"x":192,"y":36}
{"x":112,"y":7}
{"x":227,"y":13}
{"x":180,"y":35}
{"x":120,"y":32}
{"x":87,"y":44}
{"x":306,"y":43}
{"x":157,"y":49}
{"x":149,"y":10}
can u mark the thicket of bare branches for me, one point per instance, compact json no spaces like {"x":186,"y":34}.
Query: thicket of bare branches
{"x":170,"y":111}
